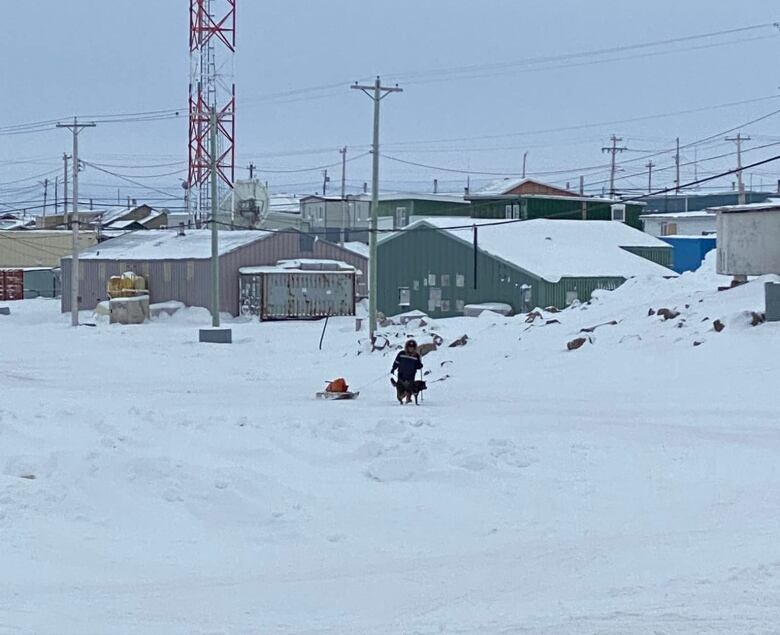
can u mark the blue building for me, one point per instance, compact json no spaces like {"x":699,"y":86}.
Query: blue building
{"x":689,"y":251}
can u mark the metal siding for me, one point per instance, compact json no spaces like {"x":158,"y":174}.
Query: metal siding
{"x":554,"y":293}
{"x":41,"y":283}
{"x":196,"y":291}
{"x":661,"y":255}
{"x":308,"y":295}
{"x":556,"y":208}
{"x":415,"y":255}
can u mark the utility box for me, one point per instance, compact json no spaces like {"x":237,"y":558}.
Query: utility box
{"x":748,"y":239}
{"x":133,"y":310}
{"x":772,"y":296}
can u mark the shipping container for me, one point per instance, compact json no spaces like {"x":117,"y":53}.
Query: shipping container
{"x":42,"y":283}
{"x":276,"y":293}
{"x":11,"y":284}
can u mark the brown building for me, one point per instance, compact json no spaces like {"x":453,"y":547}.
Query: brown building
{"x":177,"y":266}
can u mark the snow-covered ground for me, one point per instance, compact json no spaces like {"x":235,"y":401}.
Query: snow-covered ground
{"x":629,"y":486}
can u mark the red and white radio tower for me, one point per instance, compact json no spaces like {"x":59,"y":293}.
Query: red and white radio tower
{"x":212,"y":47}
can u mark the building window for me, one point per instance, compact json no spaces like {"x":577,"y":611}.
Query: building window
{"x":416,"y":285}
{"x":460,"y":280}
{"x":445,"y":306}
{"x":404,"y":297}
{"x":401,"y":217}
{"x":460,"y":305}
{"x":431,"y":279}
{"x":571,"y":297}
{"x":507,"y":211}
{"x":445,"y":280}
{"x":668,"y":229}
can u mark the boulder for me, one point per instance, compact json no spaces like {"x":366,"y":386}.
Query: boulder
{"x":718,"y":326}
{"x":668,"y":314}
{"x":576,"y":343}
{"x":461,"y":341}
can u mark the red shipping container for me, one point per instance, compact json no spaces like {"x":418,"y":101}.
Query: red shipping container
{"x":11,"y":284}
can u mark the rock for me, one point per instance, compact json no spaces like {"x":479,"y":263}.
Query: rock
{"x":718,"y":326}
{"x":548,"y":322}
{"x":29,"y":477}
{"x":591,"y":329}
{"x":461,"y":341}
{"x":697,"y":343}
{"x":380,"y":343}
{"x":576,"y":343}
{"x":552,"y":309}
{"x":650,"y":312}
{"x":668,"y":314}
{"x":757,"y":318}
{"x":533,"y":315}
{"x":426,"y":348}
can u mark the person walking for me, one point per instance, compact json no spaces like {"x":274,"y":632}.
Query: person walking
{"x":406,"y":364}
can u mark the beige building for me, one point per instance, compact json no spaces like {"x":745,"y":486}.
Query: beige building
{"x":39,"y":248}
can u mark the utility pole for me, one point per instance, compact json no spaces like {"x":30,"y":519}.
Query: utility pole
{"x":56,"y":195}
{"x":525,"y":158}
{"x":343,"y":153}
{"x":377,"y":93}
{"x":742,"y":199}
{"x":677,"y":167}
{"x":649,"y":165}
{"x":45,"y":184}
{"x":583,"y":202}
{"x":214,"y":228}
{"x":75,"y":129}
{"x":613,"y":150}
{"x":325,"y":181}
{"x":65,"y":158}
{"x":251,"y":170}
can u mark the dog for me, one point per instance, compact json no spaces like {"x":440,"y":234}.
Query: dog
{"x":406,"y":391}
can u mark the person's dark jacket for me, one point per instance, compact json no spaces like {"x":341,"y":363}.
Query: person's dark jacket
{"x":407,"y":365}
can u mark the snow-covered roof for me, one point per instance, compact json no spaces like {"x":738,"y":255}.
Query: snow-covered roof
{"x":302,"y":265}
{"x":156,"y":244}
{"x":361,"y":249}
{"x":502,"y":186}
{"x":445,"y":197}
{"x":555,"y":249}
{"x":284,"y":203}
{"x":771,"y":204}
{"x":680,"y":215}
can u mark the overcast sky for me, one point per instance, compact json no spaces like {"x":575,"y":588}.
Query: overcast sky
{"x":92,"y":57}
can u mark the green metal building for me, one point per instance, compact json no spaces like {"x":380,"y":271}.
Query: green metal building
{"x":528,"y":199}
{"x":434,"y":268}
{"x":399,"y":210}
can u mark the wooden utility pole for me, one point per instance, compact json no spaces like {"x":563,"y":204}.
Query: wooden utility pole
{"x":343,"y":153}
{"x":613,"y":150}
{"x":75,"y":129}
{"x":742,"y":198}
{"x":251,"y":170}
{"x":677,"y":167}
{"x":377,"y":93}
{"x":649,"y":165}
{"x":65,"y":158}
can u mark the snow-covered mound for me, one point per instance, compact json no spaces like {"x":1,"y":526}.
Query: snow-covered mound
{"x":152,"y":484}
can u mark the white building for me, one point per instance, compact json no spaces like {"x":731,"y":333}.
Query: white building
{"x":702,"y":223}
